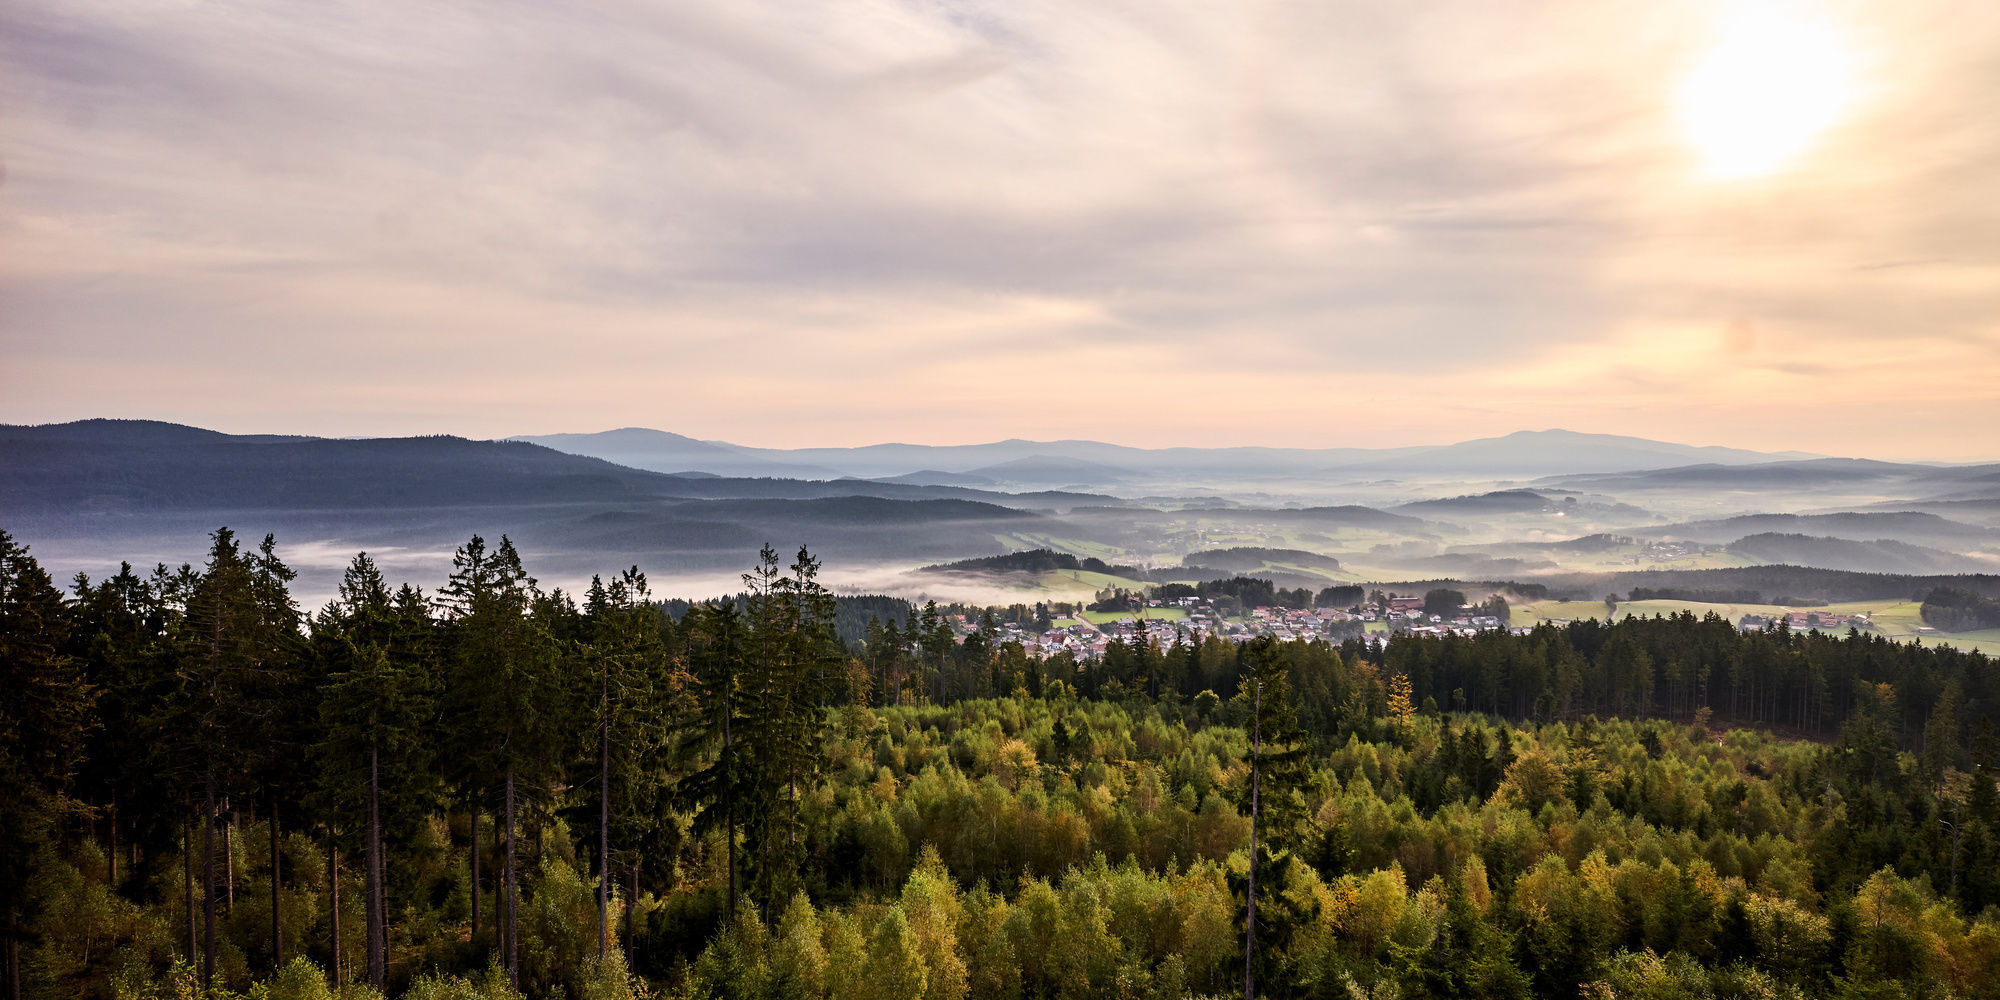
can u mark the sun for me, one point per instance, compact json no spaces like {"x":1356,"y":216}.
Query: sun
{"x":1775,"y":79}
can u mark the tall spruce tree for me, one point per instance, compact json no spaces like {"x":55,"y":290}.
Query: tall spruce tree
{"x":239,"y":643}
{"x":285,"y":716}
{"x":1269,"y":797}
{"x":720,"y":777}
{"x":508,"y":698}
{"x":46,"y":716}
{"x":378,"y":698}
{"x":631,"y":699}
{"x":793,"y":722}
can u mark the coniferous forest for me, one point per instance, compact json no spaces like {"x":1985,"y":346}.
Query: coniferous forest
{"x":489,"y":789}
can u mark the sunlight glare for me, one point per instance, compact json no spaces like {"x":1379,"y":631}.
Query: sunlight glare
{"x":1775,"y":79}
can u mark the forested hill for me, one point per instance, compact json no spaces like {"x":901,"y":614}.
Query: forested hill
{"x":1501,"y":502}
{"x":1033,"y":561}
{"x":100,"y":491}
{"x":1912,"y":526}
{"x":1250,"y":559}
{"x":146,"y":466}
{"x":41,"y":474}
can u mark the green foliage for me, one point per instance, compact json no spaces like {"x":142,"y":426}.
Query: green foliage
{"x":1955,"y":610}
{"x":1079,"y":830}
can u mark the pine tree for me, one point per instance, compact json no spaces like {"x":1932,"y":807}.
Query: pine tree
{"x":720,"y":776}
{"x":46,"y":716}
{"x":936,"y":638}
{"x":510,"y":697}
{"x":377,"y":702}
{"x":286,"y":719}
{"x":791,"y":646}
{"x":237,"y":661}
{"x":628,"y":668}
{"x":1277,"y":772}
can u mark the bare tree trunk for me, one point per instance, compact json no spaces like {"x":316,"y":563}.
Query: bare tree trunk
{"x":1957,"y":825}
{"x":377,"y":974}
{"x":1250,"y":914}
{"x":513,"y":895}
{"x":13,"y":966}
{"x":333,"y":880}
{"x":604,"y":820}
{"x":113,"y":856}
{"x":631,"y":898}
{"x":475,"y":870}
{"x":229,"y":856}
{"x":729,"y":807}
{"x":277,"y":899}
{"x":208,"y":884}
{"x":187,"y":873}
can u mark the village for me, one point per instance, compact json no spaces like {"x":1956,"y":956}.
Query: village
{"x":1193,"y":620}
{"x":1799,"y":621}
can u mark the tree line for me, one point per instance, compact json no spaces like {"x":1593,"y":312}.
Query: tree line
{"x":494,"y":789}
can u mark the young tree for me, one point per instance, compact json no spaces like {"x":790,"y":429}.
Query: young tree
{"x":1277,"y":771}
{"x":936,"y":639}
{"x":627,"y":656}
{"x":720,"y":777}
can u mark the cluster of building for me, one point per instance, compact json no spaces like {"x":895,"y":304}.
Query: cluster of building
{"x":1798,"y":621}
{"x":1202,"y":619}
{"x":1662,"y":552}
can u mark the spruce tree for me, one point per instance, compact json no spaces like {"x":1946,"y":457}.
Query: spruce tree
{"x":719,"y":778}
{"x":46,"y":716}
{"x":1277,"y":772}
{"x":237,"y":659}
{"x":627,"y":657}
{"x":508,"y":698}
{"x":376,"y":704}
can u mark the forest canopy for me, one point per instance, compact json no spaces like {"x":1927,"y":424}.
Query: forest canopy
{"x":491,"y":789}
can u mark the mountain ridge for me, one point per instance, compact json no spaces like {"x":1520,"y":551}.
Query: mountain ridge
{"x":1519,"y":454}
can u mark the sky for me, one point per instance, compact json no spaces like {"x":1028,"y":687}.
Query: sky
{"x":1765,"y":225}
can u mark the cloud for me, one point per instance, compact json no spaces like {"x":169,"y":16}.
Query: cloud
{"x":772,"y":222}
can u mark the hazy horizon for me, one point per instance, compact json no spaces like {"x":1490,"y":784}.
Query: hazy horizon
{"x":804,"y":442}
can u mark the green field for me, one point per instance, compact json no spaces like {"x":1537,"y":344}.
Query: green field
{"x":1096,"y":581}
{"x":1897,"y":620}
{"x":1155,"y":614}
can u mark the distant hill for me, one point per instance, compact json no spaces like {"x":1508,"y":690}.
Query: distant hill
{"x":1342,"y":516}
{"x":119,"y":489}
{"x":1522,"y":455}
{"x":1590,"y":543}
{"x":150,"y":470}
{"x":1819,"y":473}
{"x":1245,"y":559}
{"x":663,"y":451}
{"x":153,"y":433}
{"x":1032,"y":561}
{"x":1501,"y":502}
{"x":1050,"y":469}
{"x":1906,"y":525}
{"x":932,"y":477}
{"x":1526,"y":454}
{"x":1877,"y":556}
{"x":1779,"y":583}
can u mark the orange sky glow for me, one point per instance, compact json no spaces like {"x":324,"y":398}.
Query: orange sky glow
{"x":1764,"y":225}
